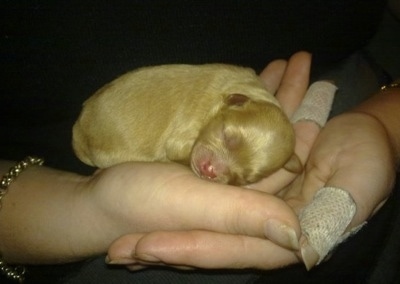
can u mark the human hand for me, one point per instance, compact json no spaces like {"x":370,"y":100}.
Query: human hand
{"x":196,"y":243}
{"x":141,"y":198}
{"x":352,"y":153}
{"x":348,"y":176}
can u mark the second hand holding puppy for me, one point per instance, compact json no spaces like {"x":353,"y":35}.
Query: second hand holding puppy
{"x":219,"y":119}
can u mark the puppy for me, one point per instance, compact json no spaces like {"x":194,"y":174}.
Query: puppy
{"x":218,"y":119}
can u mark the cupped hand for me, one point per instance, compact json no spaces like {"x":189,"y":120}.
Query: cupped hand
{"x":352,"y":153}
{"x":290,"y":91}
{"x":188,"y":222}
{"x":146,"y":197}
{"x":218,"y":223}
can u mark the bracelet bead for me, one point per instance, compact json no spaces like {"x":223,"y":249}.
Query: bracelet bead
{"x":390,"y":86}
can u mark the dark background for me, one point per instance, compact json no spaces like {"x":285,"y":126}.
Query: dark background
{"x":54,"y":55}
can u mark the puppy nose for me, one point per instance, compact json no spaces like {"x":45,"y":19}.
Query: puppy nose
{"x":207,"y":170}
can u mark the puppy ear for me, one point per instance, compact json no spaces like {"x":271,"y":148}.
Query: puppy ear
{"x":236,"y":100}
{"x":293,"y":164}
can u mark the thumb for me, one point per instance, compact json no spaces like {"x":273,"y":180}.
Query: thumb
{"x":234,"y":210}
{"x":189,"y":249}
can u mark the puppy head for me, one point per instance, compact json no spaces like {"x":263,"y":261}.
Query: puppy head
{"x":246,"y":141}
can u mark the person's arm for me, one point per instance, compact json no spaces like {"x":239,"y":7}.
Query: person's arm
{"x":385,"y":107}
{"x":46,"y":218}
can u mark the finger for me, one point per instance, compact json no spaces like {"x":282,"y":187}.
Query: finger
{"x":272,"y":75}
{"x":294,"y":82}
{"x":317,"y":103}
{"x":229,"y":209}
{"x":122,"y":250}
{"x":291,"y":91}
{"x":204,"y":249}
{"x":308,"y":118}
{"x":324,"y":219}
{"x":306,"y":133}
{"x":311,"y":115}
{"x":183,"y":201}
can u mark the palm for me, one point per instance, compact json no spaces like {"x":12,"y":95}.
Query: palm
{"x":350,"y":153}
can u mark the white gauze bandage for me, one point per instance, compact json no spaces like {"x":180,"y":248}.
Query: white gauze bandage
{"x":316,"y":104}
{"x":324,"y":221}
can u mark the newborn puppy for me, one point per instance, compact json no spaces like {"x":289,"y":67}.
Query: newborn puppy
{"x":217,"y":118}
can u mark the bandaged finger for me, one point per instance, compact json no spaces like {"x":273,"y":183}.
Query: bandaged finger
{"x":324,"y":222}
{"x":316,"y":104}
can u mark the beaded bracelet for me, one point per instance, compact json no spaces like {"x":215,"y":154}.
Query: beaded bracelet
{"x":16,"y":273}
{"x":390,"y":86}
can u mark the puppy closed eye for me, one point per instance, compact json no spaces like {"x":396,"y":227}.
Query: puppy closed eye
{"x":231,"y":140}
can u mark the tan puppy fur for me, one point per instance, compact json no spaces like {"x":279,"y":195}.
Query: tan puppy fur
{"x":219,"y":119}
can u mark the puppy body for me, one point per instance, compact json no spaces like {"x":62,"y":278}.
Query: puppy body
{"x":217,"y":118}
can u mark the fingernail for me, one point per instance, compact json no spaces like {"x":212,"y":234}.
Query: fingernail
{"x":148,"y":258}
{"x":136,"y":267}
{"x":120,"y":261}
{"x":309,"y":255}
{"x":281,"y":234}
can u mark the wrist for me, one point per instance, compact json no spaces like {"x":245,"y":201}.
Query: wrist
{"x":365,"y":147}
{"x":384,"y":106}
{"x":14,"y":272}
{"x":41,"y":217}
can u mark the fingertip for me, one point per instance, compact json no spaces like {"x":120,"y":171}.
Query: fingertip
{"x":268,"y":216}
{"x":294,"y":82}
{"x":281,"y":234}
{"x":272,"y":74}
{"x":302,"y":54}
{"x":274,"y":64}
{"x":301,"y":61}
{"x":120,"y":261}
{"x":136,"y":267}
{"x":308,"y":254}
{"x":123,"y":249}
